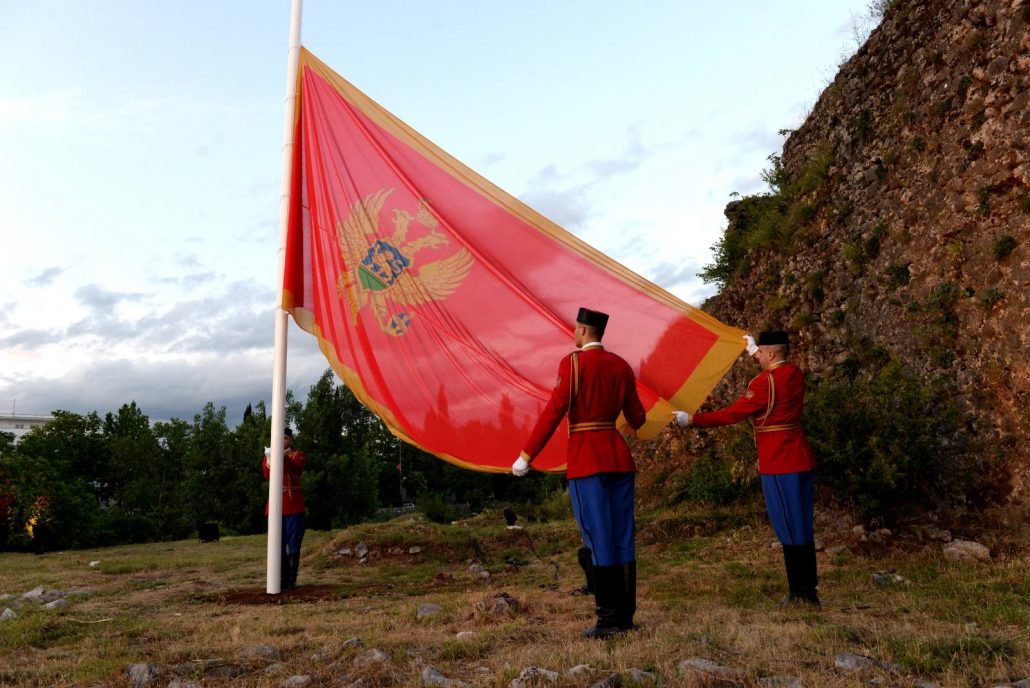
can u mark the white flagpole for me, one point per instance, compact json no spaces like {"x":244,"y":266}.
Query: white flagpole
{"x":275,"y":482}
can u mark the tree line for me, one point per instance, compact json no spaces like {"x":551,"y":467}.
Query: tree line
{"x":86,"y":481}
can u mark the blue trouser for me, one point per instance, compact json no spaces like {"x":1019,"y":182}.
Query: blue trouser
{"x":603,"y":507}
{"x":293,"y":533}
{"x":791,"y":507}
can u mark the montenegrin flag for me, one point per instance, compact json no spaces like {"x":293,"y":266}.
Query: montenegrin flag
{"x":445,"y":304}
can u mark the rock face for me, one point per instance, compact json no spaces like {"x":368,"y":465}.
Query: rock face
{"x":916,"y":236}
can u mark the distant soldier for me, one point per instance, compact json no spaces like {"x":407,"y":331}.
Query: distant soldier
{"x":293,"y":507}
{"x":774,"y":402}
{"x":594,"y":386}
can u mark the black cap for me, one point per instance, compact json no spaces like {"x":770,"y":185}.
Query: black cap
{"x":772,"y":338}
{"x":288,"y":432}
{"x":595,"y":319}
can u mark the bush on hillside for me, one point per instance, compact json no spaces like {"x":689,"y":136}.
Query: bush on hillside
{"x":880,"y":441}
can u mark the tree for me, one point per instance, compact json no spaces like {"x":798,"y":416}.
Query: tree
{"x":337,"y":433}
{"x":207,"y":476}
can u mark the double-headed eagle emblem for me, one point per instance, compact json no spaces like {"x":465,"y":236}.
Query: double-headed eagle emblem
{"x":385,"y":271}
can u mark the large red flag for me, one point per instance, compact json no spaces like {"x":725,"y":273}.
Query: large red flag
{"x":445,"y":304}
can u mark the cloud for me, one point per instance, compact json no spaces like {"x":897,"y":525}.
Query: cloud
{"x":45,"y":277}
{"x":168,"y":389}
{"x":100,"y":299}
{"x":669,"y":275}
{"x":31,"y":339}
{"x":631,"y":159}
{"x":489,"y":159}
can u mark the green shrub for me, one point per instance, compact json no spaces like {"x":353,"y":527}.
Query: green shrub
{"x":436,"y":508}
{"x":899,"y":274}
{"x":772,"y":220}
{"x":709,"y":480}
{"x":1003,"y":247}
{"x":991,"y":297}
{"x":876,"y":438}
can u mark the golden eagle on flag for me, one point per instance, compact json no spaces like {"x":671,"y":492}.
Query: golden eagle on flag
{"x":445,"y":304}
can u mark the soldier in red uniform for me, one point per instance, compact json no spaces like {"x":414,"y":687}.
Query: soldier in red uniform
{"x":594,"y":386}
{"x":293,"y":507}
{"x":774,"y":401}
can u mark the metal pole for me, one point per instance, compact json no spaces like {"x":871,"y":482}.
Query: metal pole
{"x":275,"y":463}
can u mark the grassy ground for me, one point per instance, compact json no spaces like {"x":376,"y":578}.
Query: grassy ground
{"x":708,"y":585}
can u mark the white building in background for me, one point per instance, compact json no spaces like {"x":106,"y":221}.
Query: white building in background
{"x":21,"y":423}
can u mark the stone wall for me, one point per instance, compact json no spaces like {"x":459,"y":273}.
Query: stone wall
{"x":917,"y":240}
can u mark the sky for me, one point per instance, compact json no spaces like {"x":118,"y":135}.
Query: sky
{"x":141,"y":156}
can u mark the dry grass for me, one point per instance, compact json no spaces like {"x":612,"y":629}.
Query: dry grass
{"x":704,"y":592}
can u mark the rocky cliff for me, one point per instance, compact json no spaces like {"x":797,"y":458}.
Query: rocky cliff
{"x":901,"y":222}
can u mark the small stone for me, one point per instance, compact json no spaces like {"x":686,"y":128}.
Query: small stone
{"x":361,"y":550}
{"x":836,"y":549}
{"x":296,"y":681}
{"x":639,"y":677}
{"x":352,"y":642}
{"x":610,"y":681}
{"x":276,"y":669}
{"x":142,"y":674}
{"x":95,"y":563}
{"x":887,"y":577}
{"x":852,"y":662}
{"x":579,"y":671}
{"x":775,"y":544}
{"x":261,"y":652}
{"x":414,"y":550}
{"x":36,"y":594}
{"x":372,"y":657}
{"x":500,"y":604}
{"x":431,"y":676}
{"x":428,"y":610}
{"x":532,"y":676}
{"x":479,"y":571}
{"x":858,"y":530}
{"x":780,"y":682}
{"x":966,"y":550}
{"x":182,"y":683}
{"x":464,"y":635}
{"x":8,"y":614}
{"x":56,"y":604}
{"x":818,"y":545}
{"x":321,"y":656}
{"x":345,"y":552}
{"x":703,"y":669}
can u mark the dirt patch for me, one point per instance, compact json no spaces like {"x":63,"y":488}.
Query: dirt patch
{"x":305,"y":593}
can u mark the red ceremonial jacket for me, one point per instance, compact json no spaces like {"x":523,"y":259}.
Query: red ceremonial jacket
{"x":601,"y":387}
{"x":774,"y":401}
{"x":293,"y":467}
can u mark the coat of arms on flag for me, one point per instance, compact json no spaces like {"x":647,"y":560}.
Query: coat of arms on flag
{"x":386,"y":272}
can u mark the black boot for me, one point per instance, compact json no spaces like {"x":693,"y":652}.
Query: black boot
{"x":294,"y":564}
{"x":586,"y":563}
{"x":801,"y":577}
{"x":628,"y":598}
{"x":808,"y":574}
{"x":284,"y":571}
{"x":607,"y":580}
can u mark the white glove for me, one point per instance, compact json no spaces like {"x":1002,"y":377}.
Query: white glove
{"x":520,"y":467}
{"x":752,"y":347}
{"x":682,"y":419}
{"x":268,"y":453}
